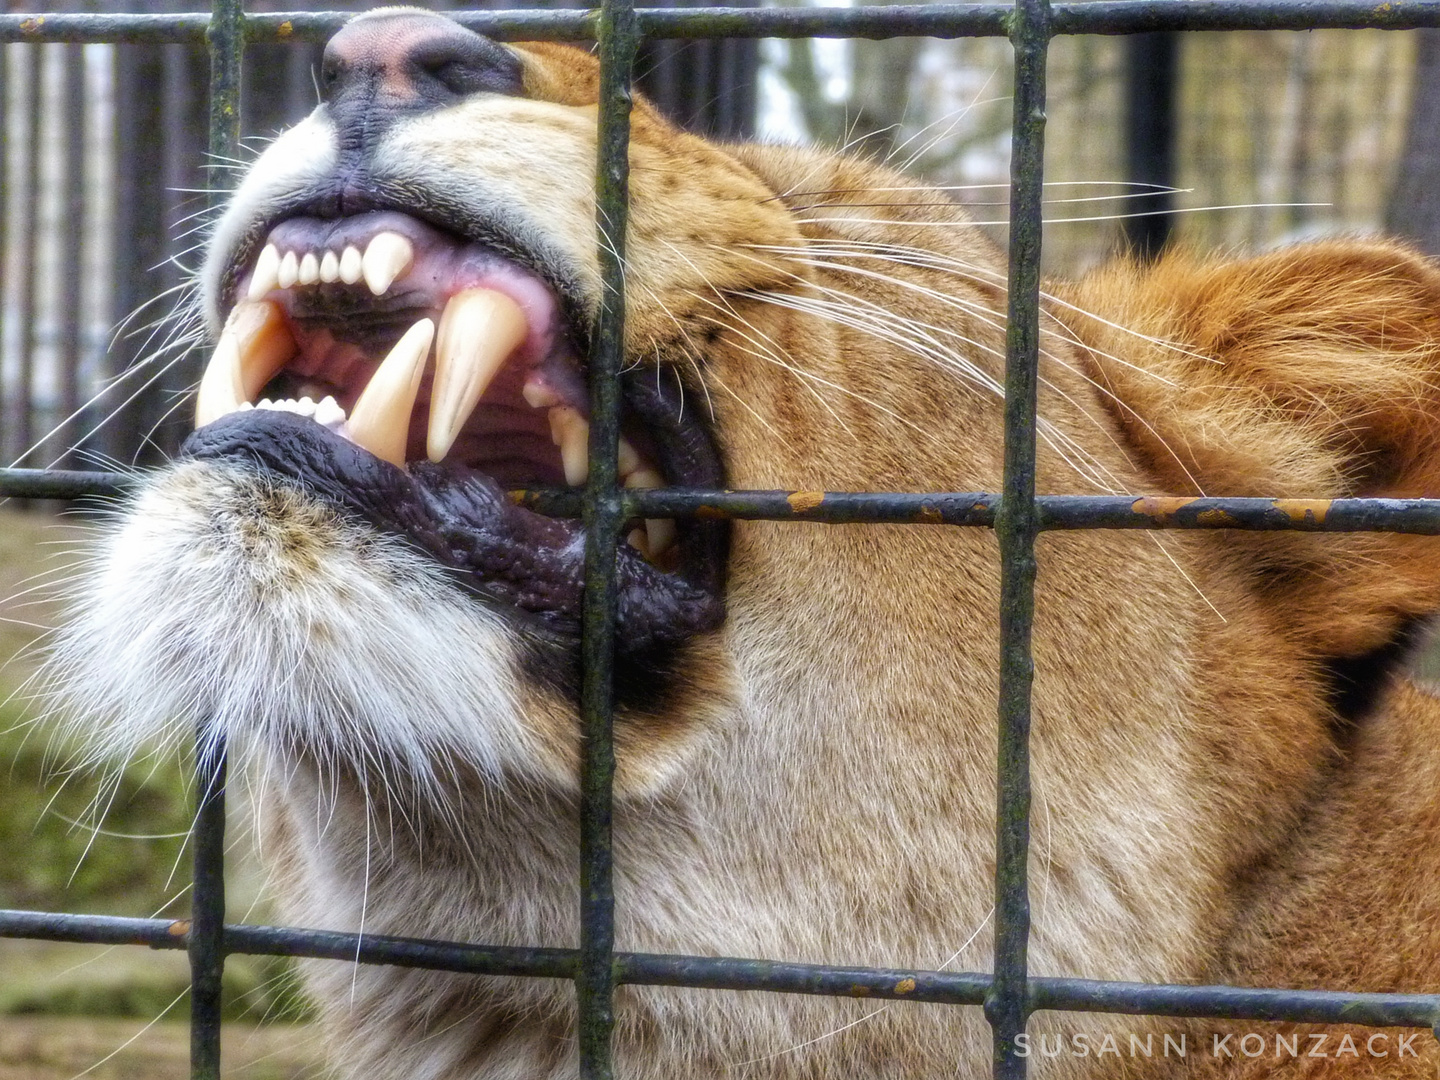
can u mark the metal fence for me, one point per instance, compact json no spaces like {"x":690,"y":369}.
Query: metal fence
{"x":1017,"y":515}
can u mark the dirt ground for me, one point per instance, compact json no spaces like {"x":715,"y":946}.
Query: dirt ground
{"x":64,"y":1048}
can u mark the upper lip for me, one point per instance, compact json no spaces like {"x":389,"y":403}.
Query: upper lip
{"x":337,"y":201}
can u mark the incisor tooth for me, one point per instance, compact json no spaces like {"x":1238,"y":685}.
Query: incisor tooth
{"x":479,"y":329}
{"x":352,"y":265}
{"x":265,"y":276}
{"x":571,"y":432}
{"x":309,"y":272}
{"x":289,"y":270}
{"x":329,"y":413}
{"x":380,"y":420}
{"x":254,"y":345}
{"x":388,"y":256}
{"x":330,"y":267}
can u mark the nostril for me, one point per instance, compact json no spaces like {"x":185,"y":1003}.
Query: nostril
{"x":400,"y":62}
{"x":457,"y":66}
{"x":332,"y":71}
{"x":452,"y":74}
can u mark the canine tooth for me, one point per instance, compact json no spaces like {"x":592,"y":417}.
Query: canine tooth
{"x":388,"y":256}
{"x":660,"y":532}
{"x":380,"y":420}
{"x":629,"y":458}
{"x":639,"y":541}
{"x":571,"y":432}
{"x":352,"y":265}
{"x":478,"y":331}
{"x":309,"y":269}
{"x":265,"y":276}
{"x":330,"y":267}
{"x":538,"y":396}
{"x":254,"y":345}
{"x":289,"y":270}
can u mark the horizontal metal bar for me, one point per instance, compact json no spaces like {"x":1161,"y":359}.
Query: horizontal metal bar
{"x":63,"y":483}
{"x":870,"y":21}
{"x":1056,"y":512}
{"x":1145,"y":16}
{"x":730,"y":973}
{"x":289,"y":941}
{"x":1236,"y":1003}
{"x":272,"y":27}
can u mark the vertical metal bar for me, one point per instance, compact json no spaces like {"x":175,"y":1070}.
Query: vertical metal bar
{"x":618,"y":40}
{"x":1007,"y":1004}
{"x":6,"y":187}
{"x":72,"y":255}
{"x":207,"y":912}
{"x":1151,"y":68}
{"x":207,"y":930}
{"x":137,"y":245}
{"x":184,"y":76}
{"x":27,"y":332}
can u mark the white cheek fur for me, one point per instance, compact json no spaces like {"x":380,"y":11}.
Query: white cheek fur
{"x":225,"y":599}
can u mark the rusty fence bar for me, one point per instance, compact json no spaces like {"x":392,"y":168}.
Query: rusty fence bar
{"x":735,"y":973}
{"x":619,"y":40}
{"x":1007,"y":1004}
{"x":1008,"y":996}
{"x":1418,"y":517}
{"x":206,"y":938}
{"x":871,"y":21}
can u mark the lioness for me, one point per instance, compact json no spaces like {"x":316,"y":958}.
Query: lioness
{"x":1233,"y":783}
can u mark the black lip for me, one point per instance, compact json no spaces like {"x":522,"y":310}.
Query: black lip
{"x":516,"y":560}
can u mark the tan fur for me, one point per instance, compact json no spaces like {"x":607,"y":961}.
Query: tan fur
{"x":824,"y":790}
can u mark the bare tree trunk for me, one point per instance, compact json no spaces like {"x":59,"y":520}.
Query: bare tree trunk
{"x":1415,"y":202}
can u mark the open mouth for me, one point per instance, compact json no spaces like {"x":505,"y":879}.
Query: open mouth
{"x":414,"y":378}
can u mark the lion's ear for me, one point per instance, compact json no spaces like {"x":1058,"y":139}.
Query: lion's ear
{"x":1310,"y":372}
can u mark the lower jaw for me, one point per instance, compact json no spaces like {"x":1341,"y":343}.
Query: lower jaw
{"x":517,"y":561}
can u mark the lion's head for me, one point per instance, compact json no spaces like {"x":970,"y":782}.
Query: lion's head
{"x":403,"y":290}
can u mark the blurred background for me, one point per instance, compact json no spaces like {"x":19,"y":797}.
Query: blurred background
{"x":1236,"y":140}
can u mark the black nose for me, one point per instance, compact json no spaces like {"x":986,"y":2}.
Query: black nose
{"x":396,"y":63}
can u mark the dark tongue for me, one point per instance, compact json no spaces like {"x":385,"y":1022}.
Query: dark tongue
{"x":466,"y":522}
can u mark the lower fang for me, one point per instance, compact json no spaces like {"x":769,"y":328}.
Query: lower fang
{"x":380,"y":420}
{"x":571,"y":432}
{"x":660,"y":533}
{"x":639,"y":541}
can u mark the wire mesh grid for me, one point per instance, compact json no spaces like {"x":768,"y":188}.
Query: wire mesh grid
{"x":1017,"y":515}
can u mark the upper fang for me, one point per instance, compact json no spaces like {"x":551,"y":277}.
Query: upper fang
{"x":387,"y":257}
